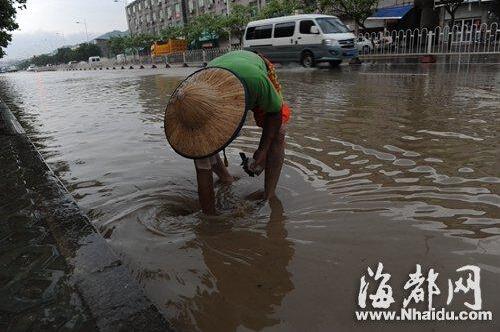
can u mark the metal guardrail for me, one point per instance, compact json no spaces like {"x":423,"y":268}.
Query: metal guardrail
{"x":482,"y":39}
{"x":198,"y":56}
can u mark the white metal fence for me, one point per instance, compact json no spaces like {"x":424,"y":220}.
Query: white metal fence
{"x":198,"y":56}
{"x":482,"y":39}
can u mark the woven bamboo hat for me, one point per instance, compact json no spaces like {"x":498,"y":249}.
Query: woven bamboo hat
{"x":205,"y":112}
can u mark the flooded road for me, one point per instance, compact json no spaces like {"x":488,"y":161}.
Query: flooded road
{"x":390,"y":164}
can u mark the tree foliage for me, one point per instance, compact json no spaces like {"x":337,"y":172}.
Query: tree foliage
{"x":118,"y":45}
{"x":135,"y":44}
{"x":206,"y":25}
{"x":276,"y":8}
{"x":8,"y":11}
{"x":237,"y":20}
{"x":173,"y":32}
{"x":451,"y":7}
{"x":64,"y":55}
{"x":357,"y":10}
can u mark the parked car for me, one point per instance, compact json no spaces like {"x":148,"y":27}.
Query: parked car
{"x":307,"y":39}
{"x":364,"y":45}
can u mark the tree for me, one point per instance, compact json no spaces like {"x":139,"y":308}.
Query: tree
{"x":451,"y":7}
{"x":144,"y":41}
{"x":237,"y":20}
{"x":276,"y":8}
{"x":136,"y":43}
{"x":64,"y":55}
{"x":172,"y":32}
{"x":117,"y":45}
{"x":8,"y":12}
{"x":84,"y":51}
{"x":208,"y":25}
{"x":357,"y":10}
{"x":310,"y":6}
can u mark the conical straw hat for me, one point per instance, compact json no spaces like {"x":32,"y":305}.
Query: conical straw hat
{"x":205,"y":112}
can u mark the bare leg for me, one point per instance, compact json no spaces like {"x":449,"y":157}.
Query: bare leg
{"x":274,"y":163}
{"x":221,"y":170}
{"x":206,"y":192}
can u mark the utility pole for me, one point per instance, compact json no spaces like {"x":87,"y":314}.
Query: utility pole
{"x":86,"y":30}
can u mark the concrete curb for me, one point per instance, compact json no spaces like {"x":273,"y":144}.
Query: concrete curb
{"x":8,"y":122}
{"x":114,"y":299}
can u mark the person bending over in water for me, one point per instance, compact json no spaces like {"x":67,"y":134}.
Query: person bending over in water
{"x":208,"y":109}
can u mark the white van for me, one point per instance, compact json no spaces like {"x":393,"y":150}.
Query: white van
{"x":94,"y":59}
{"x":308,"y":39}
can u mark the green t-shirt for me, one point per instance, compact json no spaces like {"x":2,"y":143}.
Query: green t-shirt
{"x":252,"y":70}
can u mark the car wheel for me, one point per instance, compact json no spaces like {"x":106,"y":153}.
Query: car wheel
{"x":307,"y":60}
{"x":366,"y":49}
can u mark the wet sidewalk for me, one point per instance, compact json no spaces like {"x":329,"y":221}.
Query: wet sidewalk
{"x":56,"y":271}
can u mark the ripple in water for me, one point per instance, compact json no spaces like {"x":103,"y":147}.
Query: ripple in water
{"x":380,"y":166}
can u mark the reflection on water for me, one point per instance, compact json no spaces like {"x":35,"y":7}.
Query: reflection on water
{"x":248,"y":274}
{"x":397,"y":164}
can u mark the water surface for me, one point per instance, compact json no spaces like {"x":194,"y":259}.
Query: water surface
{"x":391,"y":164}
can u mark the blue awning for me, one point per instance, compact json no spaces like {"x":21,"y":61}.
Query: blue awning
{"x":391,"y":13}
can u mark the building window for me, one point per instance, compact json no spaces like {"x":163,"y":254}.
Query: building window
{"x":177,"y":10}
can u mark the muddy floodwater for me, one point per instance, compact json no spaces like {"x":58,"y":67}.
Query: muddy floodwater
{"x":390,"y":164}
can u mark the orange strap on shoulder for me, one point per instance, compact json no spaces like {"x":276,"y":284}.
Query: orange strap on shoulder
{"x":286,"y":112}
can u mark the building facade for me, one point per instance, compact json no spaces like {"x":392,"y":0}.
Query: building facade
{"x":410,"y":14}
{"x":152,"y":16}
{"x":470,"y":12}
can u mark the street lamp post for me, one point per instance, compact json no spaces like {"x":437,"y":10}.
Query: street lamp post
{"x":86,"y":30}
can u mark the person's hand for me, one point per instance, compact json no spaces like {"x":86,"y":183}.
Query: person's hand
{"x":259,"y":159}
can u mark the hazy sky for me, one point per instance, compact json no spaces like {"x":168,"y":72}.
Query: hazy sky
{"x":48,"y":24}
